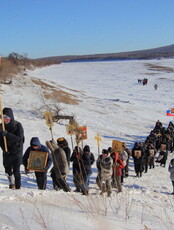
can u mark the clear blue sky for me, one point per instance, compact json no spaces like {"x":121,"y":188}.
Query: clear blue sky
{"x":42,"y":28}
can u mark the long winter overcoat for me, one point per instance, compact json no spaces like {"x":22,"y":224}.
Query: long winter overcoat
{"x":60,"y":163}
{"x":15,"y":139}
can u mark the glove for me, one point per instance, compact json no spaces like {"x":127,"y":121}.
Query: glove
{"x":4,"y":133}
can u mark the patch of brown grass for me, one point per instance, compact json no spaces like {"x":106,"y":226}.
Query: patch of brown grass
{"x":51,"y":92}
{"x":160,"y":68}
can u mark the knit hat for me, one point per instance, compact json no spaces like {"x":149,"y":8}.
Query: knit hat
{"x":105,"y":151}
{"x":110,"y":150}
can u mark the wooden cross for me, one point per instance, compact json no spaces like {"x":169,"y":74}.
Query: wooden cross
{"x":98,"y":138}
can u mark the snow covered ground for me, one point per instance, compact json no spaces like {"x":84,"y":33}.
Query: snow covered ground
{"x":114,"y":105}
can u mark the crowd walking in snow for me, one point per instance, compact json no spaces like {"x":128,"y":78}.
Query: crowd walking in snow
{"x":112,"y":165}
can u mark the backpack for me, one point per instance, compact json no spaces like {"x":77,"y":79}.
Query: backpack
{"x":106,"y":163}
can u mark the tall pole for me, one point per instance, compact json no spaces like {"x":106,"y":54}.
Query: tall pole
{"x":3,"y":126}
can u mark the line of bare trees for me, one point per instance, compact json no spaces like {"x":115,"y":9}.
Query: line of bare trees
{"x":16,"y":63}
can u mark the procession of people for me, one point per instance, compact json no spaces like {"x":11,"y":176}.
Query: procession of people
{"x":112,"y":164}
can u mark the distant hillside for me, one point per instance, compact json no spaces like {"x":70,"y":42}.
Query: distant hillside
{"x":161,"y":52}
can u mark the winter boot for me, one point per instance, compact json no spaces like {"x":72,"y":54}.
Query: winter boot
{"x":11,"y":182}
{"x":109,"y":193}
{"x":102,"y":192}
{"x":137,"y":174}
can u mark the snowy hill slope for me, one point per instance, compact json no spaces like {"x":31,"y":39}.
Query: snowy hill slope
{"x":145,"y":203}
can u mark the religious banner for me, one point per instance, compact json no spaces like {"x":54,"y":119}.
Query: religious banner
{"x":37,"y":161}
{"x":71,"y":129}
{"x":82,"y":130}
{"x":117,"y":146}
{"x":48,"y":117}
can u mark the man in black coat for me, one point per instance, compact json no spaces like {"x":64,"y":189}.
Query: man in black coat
{"x":138,"y":157}
{"x":41,"y":177}
{"x":12,"y":157}
{"x":88,"y":160}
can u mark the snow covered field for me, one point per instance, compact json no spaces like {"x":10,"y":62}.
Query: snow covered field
{"x":113,"y":104}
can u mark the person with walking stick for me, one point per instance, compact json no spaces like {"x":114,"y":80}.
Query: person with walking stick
{"x":11,"y":143}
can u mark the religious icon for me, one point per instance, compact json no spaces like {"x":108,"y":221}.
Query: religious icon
{"x":37,"y":161}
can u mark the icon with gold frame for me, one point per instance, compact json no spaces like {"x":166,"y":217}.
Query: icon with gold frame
{"x":37,"y":161}
{"x":163,"y":147}
{"x":117,"y":146}
{"x":137,"y":153}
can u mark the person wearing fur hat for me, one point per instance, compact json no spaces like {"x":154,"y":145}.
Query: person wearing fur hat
{"x":62,"y":143}
{"x":60,"y":167}
{"x":13,"y":136}
{"x":78,"y":170}
{"x":106,"y":164}
{"x":171,"y":170}
{"x":41,"y":177}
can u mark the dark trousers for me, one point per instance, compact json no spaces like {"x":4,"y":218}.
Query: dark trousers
{"x":59,"y":183}
{"x":14,"y":169}
{"x":138,"y":166}
{"x":41,"y":179}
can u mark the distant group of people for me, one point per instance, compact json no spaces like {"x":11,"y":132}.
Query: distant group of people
{"x":112,"y":165}
{"x":143,"y":81}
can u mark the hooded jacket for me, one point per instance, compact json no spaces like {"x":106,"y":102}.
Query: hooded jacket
{"x":42,"y":148}
{"x":14,"y":137}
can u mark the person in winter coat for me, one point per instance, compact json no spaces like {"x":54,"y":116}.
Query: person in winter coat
{"x":12,"y":158}
{"x":41,"y":177}
{"x":138,"y":156}
{"x":106,"y":165}
{"x":78,"y":170}
{"x":60,"y":168}
{"x":155,"y":86}
{"x":88,"y":160}
{"x":98,"y":178}
{"x":126,"y":168}
{"x":171,"y":170}
{"x":62,"y":143}
{"x":118,"y":165}
{"x":149,"y":157}
{"x":124,"y":157}
{"x":162,"y":158}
